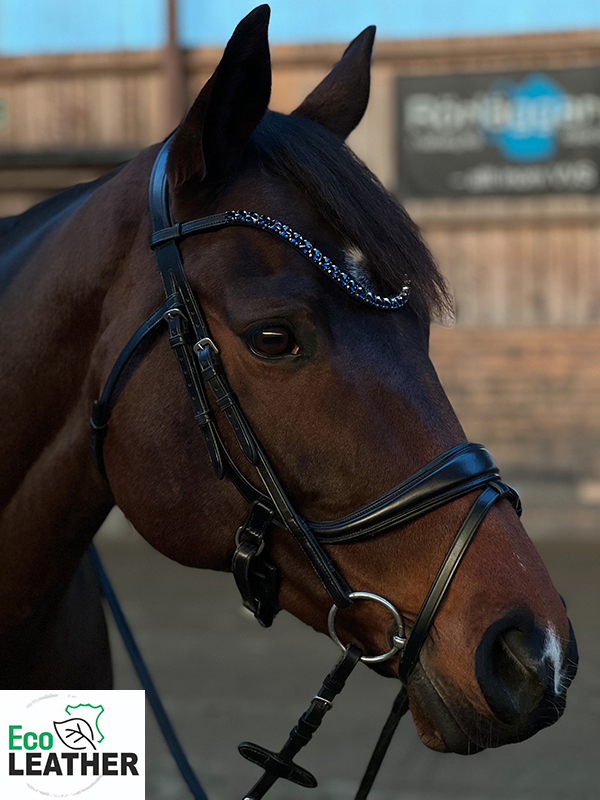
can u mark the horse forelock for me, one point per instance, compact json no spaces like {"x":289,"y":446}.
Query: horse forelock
{"x":356,"y":205}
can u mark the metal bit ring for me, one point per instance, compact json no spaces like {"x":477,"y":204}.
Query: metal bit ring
{"x":398,"y":640}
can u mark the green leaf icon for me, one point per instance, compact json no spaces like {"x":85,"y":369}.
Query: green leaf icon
{"x":75,"y":733}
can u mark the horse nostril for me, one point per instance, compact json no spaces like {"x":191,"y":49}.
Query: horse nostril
{"x":516,"y":669}
{"x":510,"y":669}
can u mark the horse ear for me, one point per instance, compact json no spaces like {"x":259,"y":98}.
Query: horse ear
{"x":340,"y":100}
{"x":229,"y":107}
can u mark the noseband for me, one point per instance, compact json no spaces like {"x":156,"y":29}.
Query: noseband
{"x":459,"y":471}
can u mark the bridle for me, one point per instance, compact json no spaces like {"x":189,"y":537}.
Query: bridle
{"x":453,"y":474}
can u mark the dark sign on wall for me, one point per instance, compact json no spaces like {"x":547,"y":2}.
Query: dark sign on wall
{"x":505,"y":133}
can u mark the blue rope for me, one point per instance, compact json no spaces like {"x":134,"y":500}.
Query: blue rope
{"x":138,"y":662}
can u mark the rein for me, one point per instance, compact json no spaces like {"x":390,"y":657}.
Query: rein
{"x":459,"y":471}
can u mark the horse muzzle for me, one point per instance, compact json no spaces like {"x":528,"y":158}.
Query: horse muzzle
{"x":522,"y":676}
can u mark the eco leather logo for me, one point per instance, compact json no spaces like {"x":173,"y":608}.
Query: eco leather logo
{"x":63,"y":744}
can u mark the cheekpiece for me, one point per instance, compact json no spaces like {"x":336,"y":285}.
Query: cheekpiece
{"x":303,"y":246}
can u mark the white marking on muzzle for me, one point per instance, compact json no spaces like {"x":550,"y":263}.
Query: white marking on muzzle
{"x":552,"y":653}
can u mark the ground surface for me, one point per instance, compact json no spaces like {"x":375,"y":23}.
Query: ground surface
{"x":223,"y":680}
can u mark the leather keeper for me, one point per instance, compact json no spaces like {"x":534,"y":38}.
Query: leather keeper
{"x":204,"y":417}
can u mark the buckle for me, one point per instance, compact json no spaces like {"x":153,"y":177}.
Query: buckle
{"x":252,"y":537}
{"x":202,"y":343}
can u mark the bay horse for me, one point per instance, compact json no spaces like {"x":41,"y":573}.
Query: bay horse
{"x":341,"y":395}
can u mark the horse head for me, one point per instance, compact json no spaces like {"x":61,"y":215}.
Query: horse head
{"x":341,"y":395}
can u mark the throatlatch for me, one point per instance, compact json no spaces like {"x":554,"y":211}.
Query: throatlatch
{"x":462,"y":470}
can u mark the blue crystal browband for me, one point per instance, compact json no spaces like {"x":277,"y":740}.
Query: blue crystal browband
{"x":343,"y":279}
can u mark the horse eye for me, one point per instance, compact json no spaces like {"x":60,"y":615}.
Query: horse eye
{"x":273,"y":340}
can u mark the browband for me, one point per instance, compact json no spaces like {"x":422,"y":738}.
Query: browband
{"x":343,"y":279}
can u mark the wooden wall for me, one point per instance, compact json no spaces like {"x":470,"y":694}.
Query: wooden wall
{"x":518,"y":262}
{"x":523,"y":363}
{"x":115,"y":100}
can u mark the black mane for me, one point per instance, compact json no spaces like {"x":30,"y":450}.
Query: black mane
{"x":355,"y":204}
{"x":22,"y":234}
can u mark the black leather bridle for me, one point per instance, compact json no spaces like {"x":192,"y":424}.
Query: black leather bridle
{"x":459,"y":471}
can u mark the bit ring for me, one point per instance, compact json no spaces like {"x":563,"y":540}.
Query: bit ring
{"x":398,"y":640}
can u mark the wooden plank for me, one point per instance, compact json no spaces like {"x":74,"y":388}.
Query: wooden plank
{"x":523,"y":276}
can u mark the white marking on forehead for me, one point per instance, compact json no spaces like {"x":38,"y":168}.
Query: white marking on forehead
{"x":354,"y":261}
{"x":553,"y":654}
{"x":355,"y":254}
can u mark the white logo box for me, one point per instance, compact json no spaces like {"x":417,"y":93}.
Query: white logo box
{"x":60,"y":744}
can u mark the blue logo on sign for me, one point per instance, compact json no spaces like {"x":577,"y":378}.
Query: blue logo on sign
{"x":523,"y":119}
